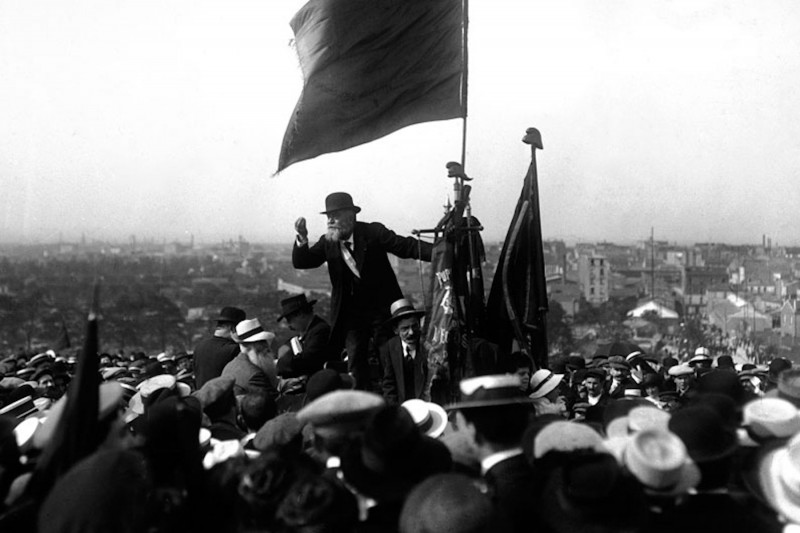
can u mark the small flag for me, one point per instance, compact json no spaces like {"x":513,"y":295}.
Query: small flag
{"x":372,"y":67}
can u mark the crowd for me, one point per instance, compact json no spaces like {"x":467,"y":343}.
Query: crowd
{"x":626,"y":442}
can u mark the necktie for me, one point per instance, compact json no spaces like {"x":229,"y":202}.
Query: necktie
{"x":409,"y":355}
{"x":348,"y":258}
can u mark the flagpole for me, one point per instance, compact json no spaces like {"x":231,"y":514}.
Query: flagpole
{"x":464,"y":80}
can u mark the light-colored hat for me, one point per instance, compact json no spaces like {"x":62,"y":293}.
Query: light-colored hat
{"x":779,"y":479}
{"x":161,"y":381}
{"x":640,"y":418}
{"x":340,"y":410}
{"x":403,"y":308}
{"x":429,"y":417}
{"x":659,"y":460}
{"x":543,"y":382}
{"x":564,"y":436}
{"x":251,"y":331}
{"x":771,"y":417}
{"x":702,"y":351}
{"x":489,"y":391}
{"x":680,"y":370}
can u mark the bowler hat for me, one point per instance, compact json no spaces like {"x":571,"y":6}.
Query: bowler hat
{"x":337,"y":201}
{"x":393,"y":456}
{"x":293,"y":304}
{"x":233,"y":315}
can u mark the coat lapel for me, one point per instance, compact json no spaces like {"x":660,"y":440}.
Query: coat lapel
{"x":360,"y":245}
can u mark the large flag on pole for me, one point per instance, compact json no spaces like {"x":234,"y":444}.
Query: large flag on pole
{"x":518,"y":299}
{"x":372,"y":67}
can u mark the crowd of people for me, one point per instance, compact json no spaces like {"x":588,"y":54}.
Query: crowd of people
{"x":629,"y":442}
{"x":240,"y":435}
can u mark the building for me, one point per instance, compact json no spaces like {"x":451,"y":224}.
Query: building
{"x":593,"y":276}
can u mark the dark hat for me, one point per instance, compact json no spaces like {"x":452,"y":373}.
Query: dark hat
{"x":789,"y":386}
{"x":575,"y":362}
{"x":278,"y":432}
{"x":232,"y":315}
{"x":652,"y":379}
{"x":325,"y":381}
{"x":703,"y":432}
{"x":776,"y":366}
{"x":44,"y":370}
{"x":595,"y":373}
{"x":722,"y":382}
{"x":725,"y":361}
{"x":337,"y":201}
{"x":590,"y":492}
{"x":403,"y":308}
{"x":489,"y":391}
{"x":293,"y":304}
{"x":668,"y":361}
{"x":215,"y":390}
{"x":393,"y":456}
{"x":448,"y":502}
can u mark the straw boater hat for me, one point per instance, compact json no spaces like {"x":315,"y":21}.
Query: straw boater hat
{"x":251,"y":331}
{"x":429,"y":417}
{"x":700,"y":355}
{"x":489,"y":391}
{"x":402,"y":308}
{"x":766,"y":418}
{"x":340,"y":411}
{"x":543,"y":382}
{"x":659,"y":460}
{"x":779,"y":479}
{"x":680,"y":370}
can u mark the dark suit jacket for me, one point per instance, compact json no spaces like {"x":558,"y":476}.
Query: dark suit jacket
{"x":248,"y":377}
{"x":357,"y":302}
{"x":510,"y":484}
{"x":394,"y":379}
{"x":314,"y":355}
{"x":211,"y":356}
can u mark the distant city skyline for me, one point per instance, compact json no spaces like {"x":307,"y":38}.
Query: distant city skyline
{"x":166,"y":120}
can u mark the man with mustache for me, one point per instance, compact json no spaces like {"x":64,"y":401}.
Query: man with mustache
{"x":364,"y":284}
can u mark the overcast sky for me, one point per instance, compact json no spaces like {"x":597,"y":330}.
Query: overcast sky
{"x":164,"y":119}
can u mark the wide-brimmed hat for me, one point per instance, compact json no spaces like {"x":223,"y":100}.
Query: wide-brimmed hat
{"x":543,"y":382}
{"x":564,"y":436}
{"x":703,"y":432}
{"x":766,"y":418}
{"x":489,"y":391}
{"x":251,"y":331}
{"x":393,"y":456}
{"x":293,"y":304}
{"x":779,"y":479}
{"x":640,"y":417}
{"x":233,"y":315}
{"x":340,"y":411}
{"x":337,"y":201}
{"x":680,"y":370}
{"x":430,"y":418}
{"x":659,"y":460}
{"x":403,"y":308}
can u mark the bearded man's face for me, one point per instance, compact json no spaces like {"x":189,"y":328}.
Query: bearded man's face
{"x":340,"y":225}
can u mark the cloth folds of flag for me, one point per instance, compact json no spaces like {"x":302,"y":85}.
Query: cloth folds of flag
{"x":372,"y":67}
{"x":518,"y":298}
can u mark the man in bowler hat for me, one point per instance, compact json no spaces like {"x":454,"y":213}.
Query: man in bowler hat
{"x":364,"y":284}
{"x":307,"y":352}
{"x":404,"y":361}
{"x":212,"y":354}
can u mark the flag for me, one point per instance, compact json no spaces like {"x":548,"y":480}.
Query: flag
{"x":518,"y":298}
{"x":76,"y":434}
{"x":62,"y":342}
{"x":372,"y":67}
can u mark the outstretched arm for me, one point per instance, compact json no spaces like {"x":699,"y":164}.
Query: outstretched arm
{"x":404,"y":247}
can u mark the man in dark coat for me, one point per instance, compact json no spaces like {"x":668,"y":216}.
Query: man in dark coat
{"x":308,"y":352}
{"x":211,"y":355}
{"x":363,"y":282}
{"x":404,"y":361}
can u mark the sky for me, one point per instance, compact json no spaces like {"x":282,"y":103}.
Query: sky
{"x":164,"y":119}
